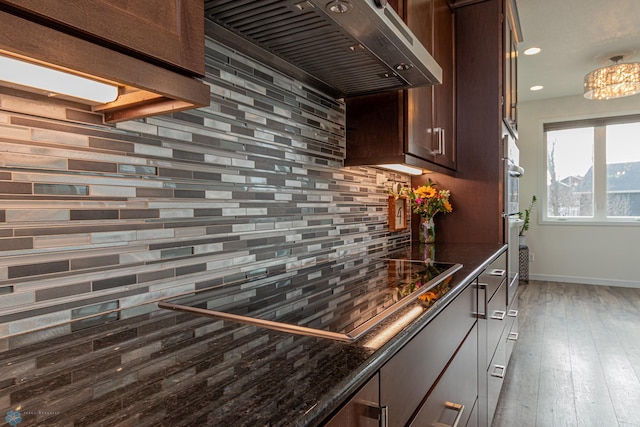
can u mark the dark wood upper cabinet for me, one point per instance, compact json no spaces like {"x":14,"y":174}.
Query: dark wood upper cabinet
{"x":512,"y":36}
{"x":153,"y":51}
{"x":419,"y":109}
{"x":415,"y":126}
{"x":169,"y":31}
{"x":482,"y":60}
{"x":445,"y":94}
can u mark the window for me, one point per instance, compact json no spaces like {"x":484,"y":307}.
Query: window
{"x":593,"y":169}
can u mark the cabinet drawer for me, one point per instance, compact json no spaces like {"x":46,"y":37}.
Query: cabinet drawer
{"x":496,"y":318}
{"x":493,"y":275}
{"x":452,"y":399}
{"x":495,"y":377}
{"x":511,"y":329}
{"x":512,"y":337}
{"x":408,"y":376}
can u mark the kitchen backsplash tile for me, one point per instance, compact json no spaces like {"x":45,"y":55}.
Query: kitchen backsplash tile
{"x":98,"y":218}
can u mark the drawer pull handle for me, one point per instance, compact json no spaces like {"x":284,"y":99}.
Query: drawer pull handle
{"x":369,"y":409}
{"x":454,"y":407}
{"x":513,"y":336}
{"x":512,"y":313}
{"x":384,"y":416}
{"x":482,"y":287}
{"x":498,"y":315}
{"x":497,"y":272}
{"x":498,"y":371}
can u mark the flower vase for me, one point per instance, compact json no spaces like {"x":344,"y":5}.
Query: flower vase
{"x":429,"y":253}
{"x":428,"y":231}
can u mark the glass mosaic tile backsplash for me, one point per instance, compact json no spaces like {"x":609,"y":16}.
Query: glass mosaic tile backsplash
{"x":99,"y":221}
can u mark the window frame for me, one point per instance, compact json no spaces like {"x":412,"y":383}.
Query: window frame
{"x":599,"y":172}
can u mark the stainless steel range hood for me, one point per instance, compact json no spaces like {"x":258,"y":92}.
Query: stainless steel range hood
{"x":342,"y":47}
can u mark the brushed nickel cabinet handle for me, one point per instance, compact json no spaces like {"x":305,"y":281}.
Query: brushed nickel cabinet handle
{"x":497,"y":272}
{"x":432,"y":143}
{"x":371,"y":409}
{"x":384,"y":416}
{"x":482,"y":287}
{"x":498,"y":315}
{"x":498,"y":371}
{"x":440,"y":133}
{"x":513,"y":336}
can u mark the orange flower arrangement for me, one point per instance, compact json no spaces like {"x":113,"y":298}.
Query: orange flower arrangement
{"x":426,"y":201}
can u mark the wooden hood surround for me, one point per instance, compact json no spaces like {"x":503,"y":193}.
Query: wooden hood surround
{"x":148,"y":83}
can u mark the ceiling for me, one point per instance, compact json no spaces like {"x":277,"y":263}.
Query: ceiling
{"x":576,"y":36}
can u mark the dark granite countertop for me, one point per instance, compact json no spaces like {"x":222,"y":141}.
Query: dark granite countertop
{"x":180,"y":369}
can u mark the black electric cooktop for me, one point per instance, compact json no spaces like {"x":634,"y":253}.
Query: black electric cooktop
{"x":341,"y":300}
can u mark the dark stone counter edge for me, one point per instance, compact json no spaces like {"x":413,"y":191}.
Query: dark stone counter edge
{"x":339,"y":395}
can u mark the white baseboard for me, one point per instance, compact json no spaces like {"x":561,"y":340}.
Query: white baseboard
{"x":585,"y":280}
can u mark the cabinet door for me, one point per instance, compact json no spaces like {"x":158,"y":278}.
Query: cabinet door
{"x":362,"y":410}
{"x":419,"y":101}
{"x":510,"y":67}
{"x":452,"y":399}
{"x":444,"y":95}
{"x":494,"y":275}
{"x":495,"y":377}
{"x":170,"y":31}
{"x":512,"y":336}
{"x":374,"y":129}
{"x":430,"y":110}
{"x":496,"y":318}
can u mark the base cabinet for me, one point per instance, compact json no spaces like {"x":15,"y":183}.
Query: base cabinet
{"x":495,"y":378}
{"x":451,"y":372}
{"x":362,"y":410}
{"x":498,"y":330}
{"x":512,"y":325}
{"x":405,"y":381}
{"x":452,"y":399}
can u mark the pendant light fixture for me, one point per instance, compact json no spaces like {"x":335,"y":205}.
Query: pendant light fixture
{"x":614,"y":81}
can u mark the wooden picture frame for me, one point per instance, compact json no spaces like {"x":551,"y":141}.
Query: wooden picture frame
{"x":398,"y":212}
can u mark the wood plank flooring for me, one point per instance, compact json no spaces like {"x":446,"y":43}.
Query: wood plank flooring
{"x":577,"y":358}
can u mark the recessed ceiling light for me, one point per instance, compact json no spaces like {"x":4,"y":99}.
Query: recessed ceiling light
{"x":532,"y":51}
{"x":537,"y":87}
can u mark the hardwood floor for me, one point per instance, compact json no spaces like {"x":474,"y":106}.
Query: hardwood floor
{"x":577,"y":358}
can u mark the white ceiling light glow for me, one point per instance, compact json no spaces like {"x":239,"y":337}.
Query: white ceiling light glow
{"x":31,"y":76}
{"x":532,"y":51}
{"x":536,"y":88}
{"x":614,"y":81}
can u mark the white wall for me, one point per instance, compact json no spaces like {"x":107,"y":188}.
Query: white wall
{"x":592,"y":254}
